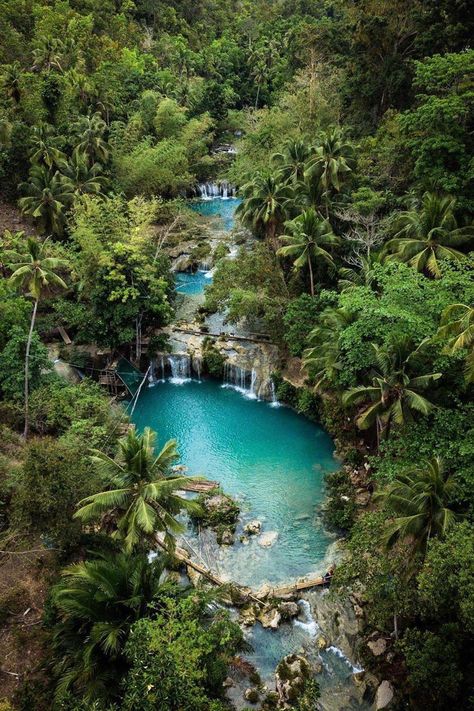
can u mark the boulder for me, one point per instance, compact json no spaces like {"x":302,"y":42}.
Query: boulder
{"x":193,"y":576}
{"x":266,"y":540}
{"x":377,"y":646}
{"x":228,"y":682}
{"x":252,"y":695}
{"x":253,"y":528}
{"x":290,"y":676}
{"x":384,"y":695}
{"x":288,"y":610}
{"x":322,"y":642}
{"x":270,"y":618}
{"x":248,"y":616}
{"x":227,"y":537}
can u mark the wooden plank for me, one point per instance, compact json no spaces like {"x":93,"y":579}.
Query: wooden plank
{"x":64,"y":336}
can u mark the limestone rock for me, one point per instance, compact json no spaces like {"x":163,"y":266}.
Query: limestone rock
{"x":248,"y":616}
{"x":270,"y":618}
{"x":194,"y":576}
{"x":288,"y":610}
{"x":290,"y":676}
{"x":263,"y":591}
{"x":384,"y":695}
{"x":266,"y":540}
{"x":227,"y":538}
{"x":377,"y":646}
{"x":227,"y":683}
{"x":253,"y":528}
{"x":322,"y":642}
{"x":252,"y":695}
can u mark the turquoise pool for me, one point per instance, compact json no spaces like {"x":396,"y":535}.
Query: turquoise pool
{"x":271,"y":459}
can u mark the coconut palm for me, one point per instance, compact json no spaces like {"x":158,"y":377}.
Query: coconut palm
{"x":362,"y":273}
{"x":323,"y":359}
{"x":44,"y":150}
{"x":291,"y":162}
{"x":394,"y":395}
{"x":329,"y":164}
{"x":424,"y":236}
{"x":79,"y":178}
{"x":35,"y":272}
{"x":96,"y":603}
{"x":457,"y":326}
{"x":46,"y":199}
{"x":48,"y":55}
{"x":11,"y":81}
{"x":306,"y":238}
{"x":91,"y":131}
{"x":421,"y":500}
{"x":265,"y":204}
{"x":140,"y":497}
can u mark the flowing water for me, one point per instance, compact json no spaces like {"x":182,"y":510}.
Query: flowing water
{"x":273,"y":462}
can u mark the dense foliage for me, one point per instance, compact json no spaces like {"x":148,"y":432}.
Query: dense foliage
{"x":353,"y":123}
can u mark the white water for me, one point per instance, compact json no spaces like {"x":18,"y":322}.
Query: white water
{"x":339,"y":653}
{"x":305,"y":620}
{"x":181,"y":368}
{"x":210,"y":191}
{"x":239,"y":379}
{"x":274,"y":402}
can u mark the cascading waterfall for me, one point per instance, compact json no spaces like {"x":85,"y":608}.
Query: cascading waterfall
{"x":181,"y":368}
{"x":157,"y":370}
{"x":209,"y":191}
{"x":244,"y":381}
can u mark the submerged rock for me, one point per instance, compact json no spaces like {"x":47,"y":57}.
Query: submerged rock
{"x":266,"y":540}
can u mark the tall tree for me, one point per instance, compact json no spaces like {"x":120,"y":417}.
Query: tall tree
{"x":306,"y":238}
{"x":428,"y":234}
{"x":291,"y":162}
{"x":140,"y":498}
{"x":264,"y":205}
{"x":330,"y":163}
{"x":35,"y":272}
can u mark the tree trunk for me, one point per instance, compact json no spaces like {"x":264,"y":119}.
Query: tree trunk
{"x":311,"y":278}
{"x":27,"y":369}
{"x":395,"y":625}
{"x":271,"y":234}
{"x":256,"y":99}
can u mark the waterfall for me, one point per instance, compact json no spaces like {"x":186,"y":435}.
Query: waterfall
{"x":180,"y":365}
{"x":305,"y":619}
{"x":209,"y":191}
{"x":242,"y":380}
{"x":274,"y":401}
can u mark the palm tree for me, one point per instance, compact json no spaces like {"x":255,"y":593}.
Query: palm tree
{"x":323,"y":359}
{"x":47,"y":196}
{"x":457,"y":326}
{"x":427,"y":235}
{"x":330,"y":163}
{"x":291,"y":162}
{"x":91,"y":138}
{"x":140,"y":498}
{"x":11,"y":81}
{"x":362,"y":273}
{"x":44,"y":150}
{"x":264,"y":205}
{"x":96,"y":603}
{"x":79,"y":178}
{"x":306,"y":237}
{"x":35,"y":272}
{"x":394,"y":394}
{"x":48,"y":55}
{"x":421,"y":501}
